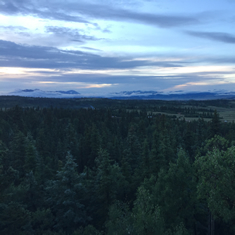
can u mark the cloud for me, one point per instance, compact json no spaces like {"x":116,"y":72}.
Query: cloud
{"x":119,"y":14}
{"x":49,"y":63}
{"x":164,"y":21}
{"x":16,"y":55}
{"x":90,"y":48}
{"x":29,"y":7}
{"x":106,"y":30}
{"x":73,"y":34}
{"x":11,"y":28}
{"x":215,"y":36}
{"x":79,"y":12}
{"x":124,"y":81}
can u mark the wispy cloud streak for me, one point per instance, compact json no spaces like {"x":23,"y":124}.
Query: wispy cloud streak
{"x":214,"y":36}
{"x":81,"y":10}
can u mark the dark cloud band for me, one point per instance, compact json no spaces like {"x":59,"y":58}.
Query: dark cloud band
{"x":15,"y":55}
{"x":81,"y":10}
{"x":214,"y":36}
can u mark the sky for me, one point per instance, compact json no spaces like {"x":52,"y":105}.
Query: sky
{"x":97,"y":47}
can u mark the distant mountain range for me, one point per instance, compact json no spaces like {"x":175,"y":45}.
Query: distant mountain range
{"x":49,"y":94}
{"x":139,"y":95}
{"x":173,"y":96}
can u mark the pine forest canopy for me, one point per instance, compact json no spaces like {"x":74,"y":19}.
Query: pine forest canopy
{"x":100,"y":166}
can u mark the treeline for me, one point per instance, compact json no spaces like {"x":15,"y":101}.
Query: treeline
{"x":150,"y":105}
{"x":85,"y":171}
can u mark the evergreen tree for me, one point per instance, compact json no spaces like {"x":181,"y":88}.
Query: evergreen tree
{"x":144,"y":219}
{"x":31,"y":155}
{"x":14,"y":219}
{"x":109,"y":181}
{"x":146,"y":215}
{"x":145,"y":165}
{"x":18,"y":153}
{"x":65,"y":195}
{"x":120,"y":220}
{"x":175,"y":191}
{"x":215,"y":127}
{"x":216,"y":176}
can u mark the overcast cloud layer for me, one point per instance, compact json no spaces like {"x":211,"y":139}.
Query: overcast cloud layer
{"x":104,"y":46}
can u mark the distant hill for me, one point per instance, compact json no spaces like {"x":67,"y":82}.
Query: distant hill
{"x":45,"y":94}
{"x":127,"y":95}
{"x":151,"y":95}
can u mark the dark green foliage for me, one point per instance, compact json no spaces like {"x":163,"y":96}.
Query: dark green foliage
{"x":88,"y":230}
{"x":108,"y":183}
{"x":14,"y":219}
{"x":119,"y":220}
{"x":145,"y":218}
{"x":177,"y":180}
{"x":146,"y":215}
{"x":118,"y":170}
{"x":216,"y":183}
{"x":64,"y":197}
{"x":215,"y":124}
{"x":42,"y":221}
{"x":17,"y":153}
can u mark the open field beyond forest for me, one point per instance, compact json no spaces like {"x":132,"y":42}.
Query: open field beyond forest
{"x":227,"y":114}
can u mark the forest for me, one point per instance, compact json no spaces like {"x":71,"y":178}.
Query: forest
{"x":111,"y":168}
